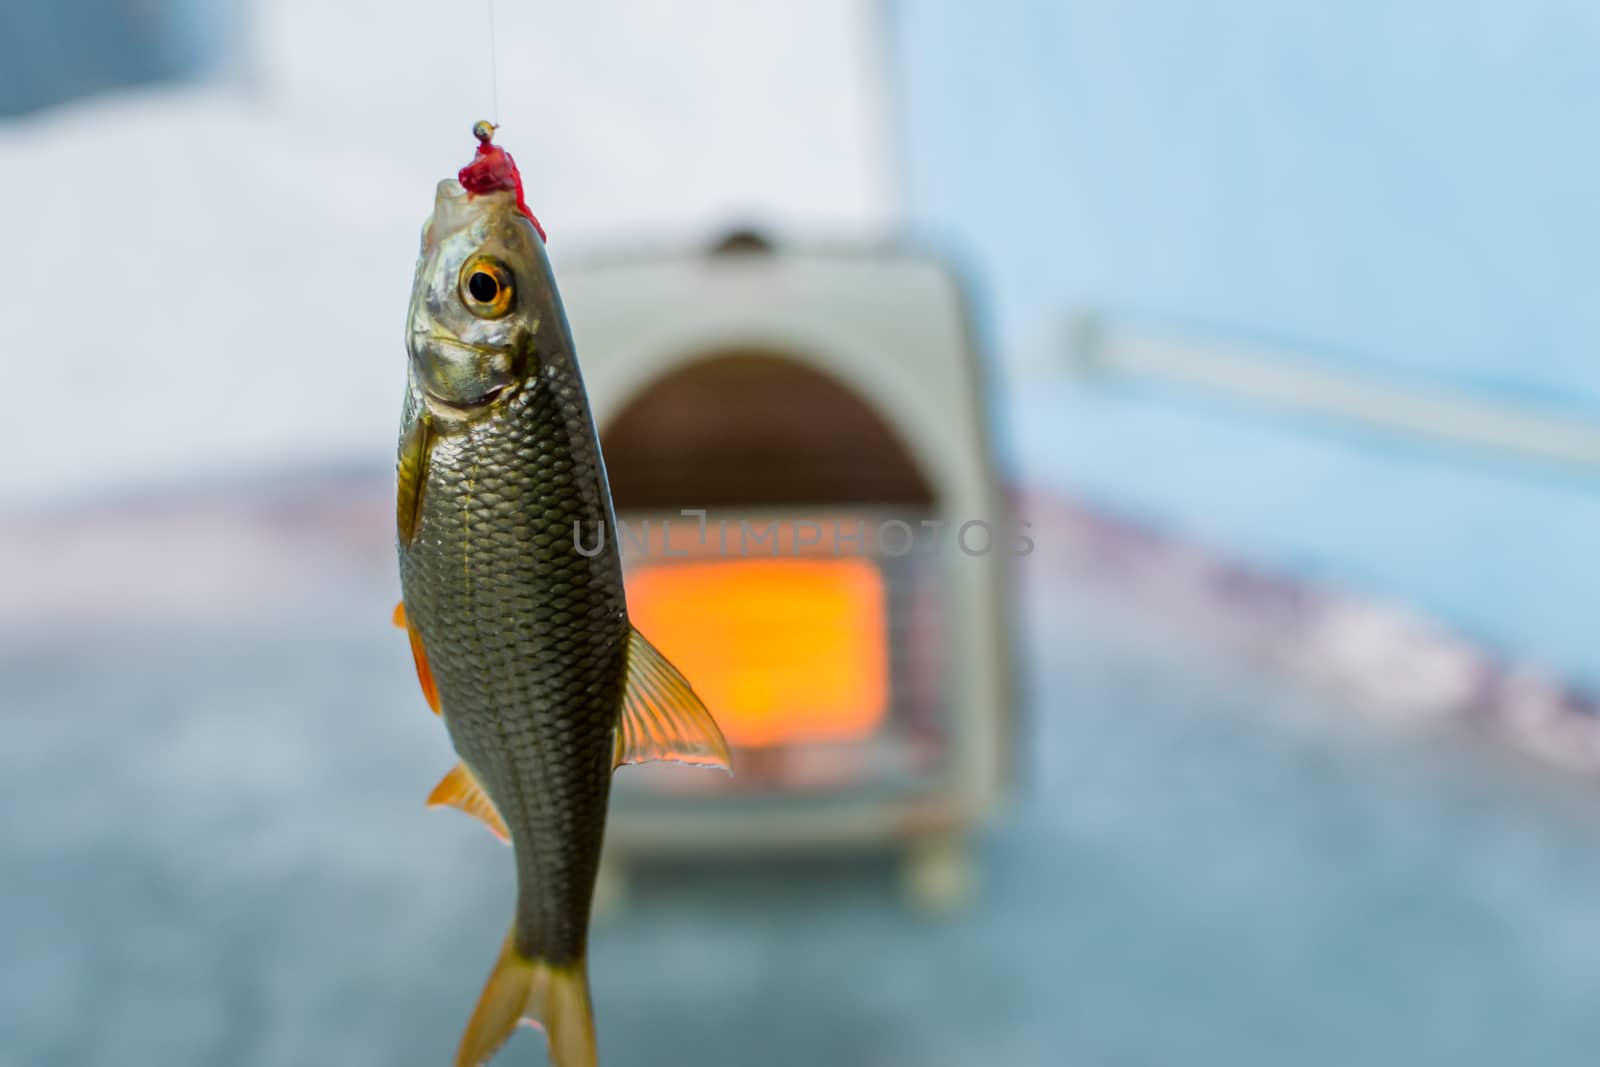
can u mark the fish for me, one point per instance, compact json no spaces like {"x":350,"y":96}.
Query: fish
{"x":522,"y":643}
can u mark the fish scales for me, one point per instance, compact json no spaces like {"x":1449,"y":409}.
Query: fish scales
{"x":527,"y":636}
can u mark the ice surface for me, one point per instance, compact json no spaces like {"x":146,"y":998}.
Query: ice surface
{"x":222,"y":857}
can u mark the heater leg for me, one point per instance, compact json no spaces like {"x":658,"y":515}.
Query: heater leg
{"x":938,"y":875}
{"x":610,"y":890}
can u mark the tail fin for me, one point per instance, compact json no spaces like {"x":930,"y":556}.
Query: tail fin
{"x":519,"y":989}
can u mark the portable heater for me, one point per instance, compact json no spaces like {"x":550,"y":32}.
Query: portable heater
{"x":813,"y":531}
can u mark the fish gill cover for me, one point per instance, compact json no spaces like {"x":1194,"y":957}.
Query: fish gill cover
{"x":493,"y":170}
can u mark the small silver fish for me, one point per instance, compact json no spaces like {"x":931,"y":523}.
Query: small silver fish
{"x":522,"y":643}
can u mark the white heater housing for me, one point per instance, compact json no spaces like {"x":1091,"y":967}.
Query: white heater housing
{"x":891,"y":330}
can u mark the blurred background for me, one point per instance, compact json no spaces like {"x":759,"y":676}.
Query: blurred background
{"x":1277,"y":742}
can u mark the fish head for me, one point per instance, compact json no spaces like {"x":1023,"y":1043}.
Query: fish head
{"x":482,"y":288}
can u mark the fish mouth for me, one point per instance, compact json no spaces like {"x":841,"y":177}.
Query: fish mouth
{"x":459,"y":406}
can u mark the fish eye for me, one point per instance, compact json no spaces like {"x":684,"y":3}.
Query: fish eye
{"x":485,"y":287}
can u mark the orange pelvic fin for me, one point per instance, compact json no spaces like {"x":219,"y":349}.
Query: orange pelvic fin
{"x":424,"y":672}
{"x":662,"y":718}
{"x":459,"y":789}
{"x":556,"y":999}
{"x":399,"y":616}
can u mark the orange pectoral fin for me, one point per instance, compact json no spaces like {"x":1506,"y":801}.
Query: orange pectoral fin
{"x":399,"y":616}
{"x":411,"y":476}
{"x":459,"y":789}
{"x":424,"y":672}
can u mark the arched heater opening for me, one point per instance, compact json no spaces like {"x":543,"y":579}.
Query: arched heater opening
{"x":806,"y":607}
{"x":750,"y":429}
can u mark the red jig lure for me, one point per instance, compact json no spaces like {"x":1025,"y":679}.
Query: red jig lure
{"x":493,"y":170}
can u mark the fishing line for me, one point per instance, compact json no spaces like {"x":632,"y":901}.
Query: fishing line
{"x":494,"y":66}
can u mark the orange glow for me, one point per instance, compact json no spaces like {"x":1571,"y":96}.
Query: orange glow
{"x":780,"y":650}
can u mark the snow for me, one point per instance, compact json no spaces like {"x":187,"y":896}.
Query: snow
{"x":206,"y":278}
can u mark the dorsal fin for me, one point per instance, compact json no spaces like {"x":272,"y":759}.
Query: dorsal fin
{"x":459,"y":789}
{"x":662,"y":719}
